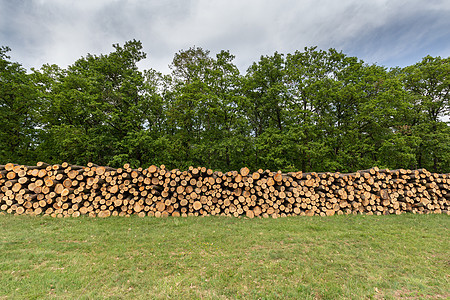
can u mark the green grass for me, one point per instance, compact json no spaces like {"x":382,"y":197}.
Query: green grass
{"x":339,"y":257}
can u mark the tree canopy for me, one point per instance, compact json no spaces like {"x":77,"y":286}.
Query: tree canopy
{"x":311,"y":110}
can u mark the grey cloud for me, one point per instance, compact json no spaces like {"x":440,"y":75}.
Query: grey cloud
{"x":389,"y":32}
{"x":403,"y":38}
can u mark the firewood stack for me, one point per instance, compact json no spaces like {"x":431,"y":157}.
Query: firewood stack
{"x":68,"y":190}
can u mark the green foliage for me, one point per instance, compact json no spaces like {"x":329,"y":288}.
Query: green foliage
{"x":99,"y":108}
{"x":311,"y":110}
{"x":428,"y":87}
{"x":17,"y":109}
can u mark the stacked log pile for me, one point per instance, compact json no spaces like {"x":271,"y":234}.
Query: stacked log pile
{"x":67,"y":190}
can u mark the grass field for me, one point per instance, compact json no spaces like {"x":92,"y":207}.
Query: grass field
{"x":339,"y":257}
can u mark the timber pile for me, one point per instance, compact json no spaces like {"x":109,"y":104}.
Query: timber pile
{"x":67,"y":190}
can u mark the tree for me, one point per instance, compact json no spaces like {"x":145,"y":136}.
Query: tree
{"x":224,"y":143}
{"x":96,"y":107}
{"x":312,"y":110}
{"x":202,"y":101}
{"x":265,"y":108}
{"x":17,"y":108}
{"x":308,"y":84}
{"x":428,"y":86}
{"x":266,"y":94}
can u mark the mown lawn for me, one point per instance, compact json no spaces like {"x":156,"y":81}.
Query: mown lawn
{"x":339,"y":257}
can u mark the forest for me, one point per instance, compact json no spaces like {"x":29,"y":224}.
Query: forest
{"x":311,"y":110}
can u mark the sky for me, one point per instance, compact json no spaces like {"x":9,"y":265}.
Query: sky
{"x":385,"y":32}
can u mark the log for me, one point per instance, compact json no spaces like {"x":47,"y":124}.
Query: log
{"x":68,"y":190}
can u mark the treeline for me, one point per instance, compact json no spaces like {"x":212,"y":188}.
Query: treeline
{"x":311,"y":110}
